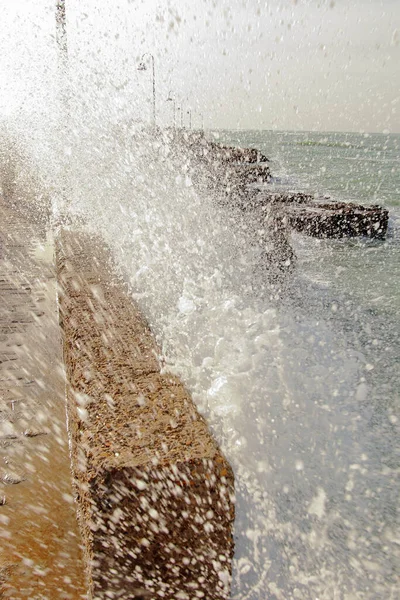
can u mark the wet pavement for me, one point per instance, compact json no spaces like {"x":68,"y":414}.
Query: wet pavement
{"x":40,"y":555}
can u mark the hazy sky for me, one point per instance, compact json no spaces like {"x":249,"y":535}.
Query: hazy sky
{"x":285,"y":64}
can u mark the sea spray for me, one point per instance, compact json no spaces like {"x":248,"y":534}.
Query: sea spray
{"x":191,"y":274}
{"x":273,"y":380}
{"x":277,"y":382}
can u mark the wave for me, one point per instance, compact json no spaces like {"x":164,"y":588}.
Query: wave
{"x":329,"y":144}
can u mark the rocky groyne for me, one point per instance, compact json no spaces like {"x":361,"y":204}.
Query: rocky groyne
{"x":339,"y":219}
{"x":241,"y":176}
{"x":238,"y":180}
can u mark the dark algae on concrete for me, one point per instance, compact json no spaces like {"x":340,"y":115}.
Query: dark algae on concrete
{"x":155,"y":495}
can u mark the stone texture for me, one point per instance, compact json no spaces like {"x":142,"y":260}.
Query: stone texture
{"x":339,"y":219}
{"x":155,"y":494}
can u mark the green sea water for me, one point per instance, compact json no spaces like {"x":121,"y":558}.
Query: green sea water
{"x":364,"y":168}
{"x":361,"y":168}
{"x":353,"y":284}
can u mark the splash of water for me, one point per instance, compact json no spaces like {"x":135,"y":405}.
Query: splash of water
{"x":273,"y":383}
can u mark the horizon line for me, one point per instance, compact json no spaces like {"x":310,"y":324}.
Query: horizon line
{"x":303,"y":131}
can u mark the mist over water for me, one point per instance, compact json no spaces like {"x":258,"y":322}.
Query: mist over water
{"x":300,"y":388}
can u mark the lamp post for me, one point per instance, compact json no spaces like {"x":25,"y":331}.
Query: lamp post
{"x":62,"y":45}
{"x":189,"y":112}
{"x":171,"y":99}
{"x":143,"y":67}
{"x":61,"y":31}
{"x":180,"y":110}
{"x":61,"y":207}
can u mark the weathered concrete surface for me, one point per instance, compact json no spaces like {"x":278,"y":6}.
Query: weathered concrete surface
{"x":40,"y":555}
{"x":155,"y":493}
{"x":339,"y":219}
{"x":237,"y":154}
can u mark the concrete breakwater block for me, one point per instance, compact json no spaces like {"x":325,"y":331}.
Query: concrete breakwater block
{"x":266,"y":198}
{"x":155,"y":495}
{"x":319,"y":219}
{"x":338,"y":219}
{"x":256,"y":173}
{"x":239,"y":155}
{"x":238,"y":177}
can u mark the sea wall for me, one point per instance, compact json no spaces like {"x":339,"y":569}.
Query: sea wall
{"x":155,"y":495}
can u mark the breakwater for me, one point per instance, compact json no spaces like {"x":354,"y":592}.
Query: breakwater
{"x":155,"y":495}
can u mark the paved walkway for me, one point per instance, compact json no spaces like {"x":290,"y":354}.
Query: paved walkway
{"x":40,"y":554}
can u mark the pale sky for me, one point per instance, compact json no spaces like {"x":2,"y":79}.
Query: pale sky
{"x":284,"y":64}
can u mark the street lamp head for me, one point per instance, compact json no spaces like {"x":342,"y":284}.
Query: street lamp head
{"x":142,"y":67}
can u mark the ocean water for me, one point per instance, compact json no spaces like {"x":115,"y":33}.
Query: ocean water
{"x":345,"y":300}
{"x":361,"y":168}
{"x":301,"y":389}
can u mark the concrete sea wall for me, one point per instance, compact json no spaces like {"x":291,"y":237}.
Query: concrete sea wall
{"x":155,"y":495}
